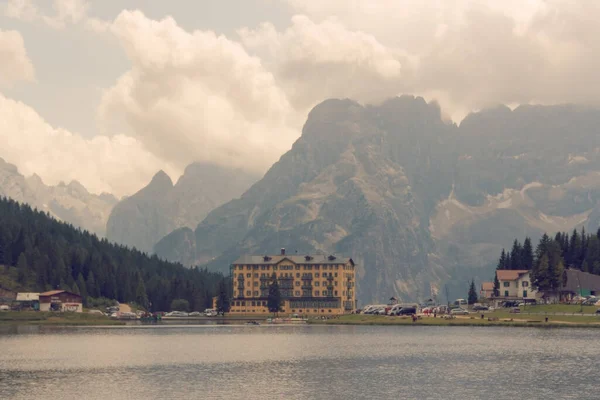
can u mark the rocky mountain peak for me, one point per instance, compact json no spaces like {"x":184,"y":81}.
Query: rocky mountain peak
{"x":161,"y":181}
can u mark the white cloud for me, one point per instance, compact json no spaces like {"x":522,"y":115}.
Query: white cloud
{"x":66,"y":12}
{"x":316,"y":61}
{"x":196,"y":96}
{"x":117,"y":164}
{"x":15,"y":64}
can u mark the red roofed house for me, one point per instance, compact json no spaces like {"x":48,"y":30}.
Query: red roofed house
{"x":60,"y":300}
{"x":515,"y":285}
{"x":487,"y":290}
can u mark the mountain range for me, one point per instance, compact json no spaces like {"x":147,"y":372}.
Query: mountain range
{"x":415,"y":200}
{"x":70,"y":203}
{"x":142,"y":219}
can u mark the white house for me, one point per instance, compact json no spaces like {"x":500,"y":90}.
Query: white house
{"x":515,"y":285}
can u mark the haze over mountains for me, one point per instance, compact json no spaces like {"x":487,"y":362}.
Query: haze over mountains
{"x":71,"y":202}
{"x":415,"y":200}
{"x":144,"y":218}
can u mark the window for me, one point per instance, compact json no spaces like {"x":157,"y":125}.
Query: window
{"x":336,"y":292}
{"x":297,"y":293}
{"x":525,"y":284}
{"x":256,"y":275}
{"x":506,"y":293}
{"x":248,"y":275}
{"x":316,"y":293}
{"x":335,"y":273}
{"x":324,"y":283}
{"x":253,"y":304}
{"x":297,"y":283}
{"x":316,"y":274}
{"x":298,"y":275}
{"x":248,"y":293}
{"x":256,"y":293}
{"x":506,"y":284}
{"x":317,"y":283}
{"x":524,"y":293}
{"x":255,"y":284}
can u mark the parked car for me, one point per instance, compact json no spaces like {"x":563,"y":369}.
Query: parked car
{"x":459,"y":311}
{"x":4,"y":307}
{"x":515,"y":310}
{"x":598,"y":311}
{"x":480,"y":308}
{"x":195,"y":314}
{"x":407,"y":311}
{"x":176,"y":314}
{"x":97,"y":312}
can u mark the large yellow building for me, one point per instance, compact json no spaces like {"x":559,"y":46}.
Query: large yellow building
{"x":311,"y":284}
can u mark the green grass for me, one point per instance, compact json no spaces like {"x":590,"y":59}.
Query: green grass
{"x":559,"y":308}
{"x":48,"y":318}
{"x":475,"y":320}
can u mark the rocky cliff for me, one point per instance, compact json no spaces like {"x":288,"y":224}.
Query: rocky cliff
{"x":144,"y":218}
{"x":416,"y":202}
{"x":71,"y":202}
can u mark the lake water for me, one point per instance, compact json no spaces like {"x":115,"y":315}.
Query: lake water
{"x":298,"y":362}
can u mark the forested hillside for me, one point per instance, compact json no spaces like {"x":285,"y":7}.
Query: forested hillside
{"x":551,"y":256}
{"x":49,"y":254}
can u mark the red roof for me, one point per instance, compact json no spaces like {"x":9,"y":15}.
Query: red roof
{"x":510,"y":274}
{"x":487,"y":286}
{"x":55,"y":292}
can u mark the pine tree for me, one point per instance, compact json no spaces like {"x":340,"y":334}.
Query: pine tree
{"x":539,"y":274}
{"x":472,"y":296}
{"x":515,"y":256}
{"x":223,"y":304}
{"x":90,"y":284}
{"x":22,"y":268}
{"x":81,"y":285}
{"x":502,"y":260}
{"x":496,"y":286}
{"x":75,"y":289}
{"x":141,"y":297}
{"x":274,"y":297}
{"x":527,"y":254}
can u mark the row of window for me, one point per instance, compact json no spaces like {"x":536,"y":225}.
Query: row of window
{"x":524,"y":293}
{"x":523,"y":284}
{"x":285,"y":275}
{"x":296,"y":267}
{"x":325,"y":293}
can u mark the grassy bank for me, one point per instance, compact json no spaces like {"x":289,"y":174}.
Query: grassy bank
{"x":48,"y":318}
{"x":503,"y":319}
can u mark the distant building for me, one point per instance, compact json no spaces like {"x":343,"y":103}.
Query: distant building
{"x":309,"y":284}
{"x":28,"y":301}
{"x":60,"y":300}
{"x":577,"y":283}
{"x":515,"y":285}
{"x":487,"y":290}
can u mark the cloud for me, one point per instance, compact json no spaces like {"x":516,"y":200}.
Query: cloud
{"x":66,"y":12}
{"x":314,"y":61}
{"x":472,"y":53}
{"x":15,"y":64}
{"x":117,"y":164}
{"x":197,"y":96}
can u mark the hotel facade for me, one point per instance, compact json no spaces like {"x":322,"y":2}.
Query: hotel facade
{"x":309,"y":284}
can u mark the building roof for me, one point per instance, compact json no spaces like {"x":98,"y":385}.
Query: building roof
{"x":28,"y":296}
{"x":510,"y":274}
{"x":575,"y":277}
{"x":487,"y":285}
{"x":310,"y":259}
{"x":55,"y":292}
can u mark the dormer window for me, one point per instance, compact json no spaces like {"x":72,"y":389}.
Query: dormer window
{"x":267,"y":258}
{"x":308,"y":258}
{"x":331,"y":257}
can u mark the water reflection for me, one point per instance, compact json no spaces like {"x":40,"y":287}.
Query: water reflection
{"x":296,"y":362}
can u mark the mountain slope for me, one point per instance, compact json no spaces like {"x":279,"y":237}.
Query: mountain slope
{"x":415,"y":201}
{"x":144,"y":218}
{"x":71,"y":203}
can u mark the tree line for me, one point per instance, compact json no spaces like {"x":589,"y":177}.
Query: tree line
{"x":547,"y":263}
{"x":49,"y":254}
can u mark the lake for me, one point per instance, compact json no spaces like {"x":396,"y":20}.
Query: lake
{"x":298,"y":362}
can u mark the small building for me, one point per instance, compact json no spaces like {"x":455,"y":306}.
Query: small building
{"x":60,"y":300}
{"x":487,"y":290}
{"x":578,"y":283}
{"x":28,"y":301}
{"x":515,"y":285}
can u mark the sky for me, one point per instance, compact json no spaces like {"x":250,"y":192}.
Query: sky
{"x":109,"y":92}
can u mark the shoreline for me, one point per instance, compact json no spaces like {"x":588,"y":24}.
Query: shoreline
{"x":368,"y":320}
